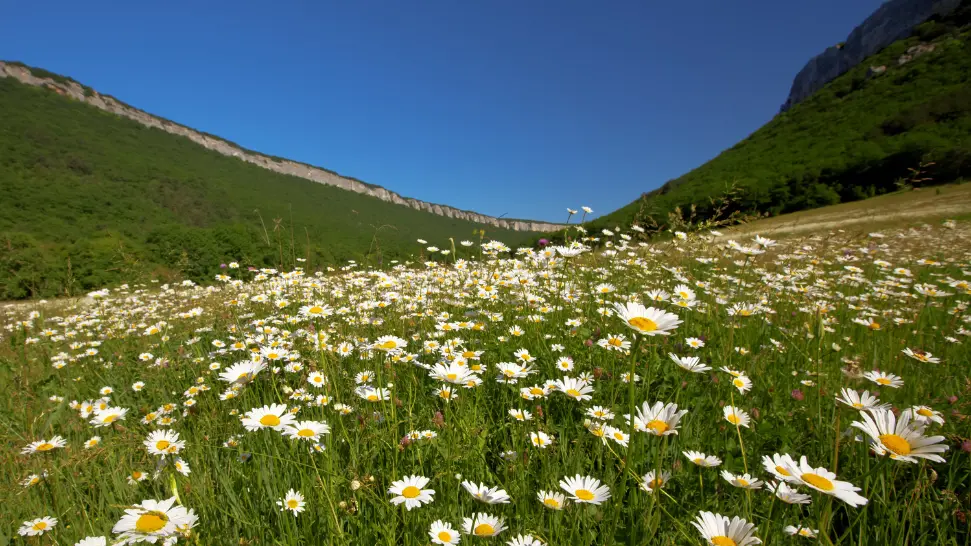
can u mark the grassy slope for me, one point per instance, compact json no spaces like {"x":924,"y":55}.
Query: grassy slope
{"x":88,"y":198}
{"x":852,"y":139}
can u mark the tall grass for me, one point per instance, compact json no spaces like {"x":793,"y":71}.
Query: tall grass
{"x":799,"y":346}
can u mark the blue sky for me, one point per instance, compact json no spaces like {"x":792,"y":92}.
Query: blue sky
{"x":515,"y":107}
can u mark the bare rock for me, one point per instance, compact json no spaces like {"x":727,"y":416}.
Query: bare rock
{"x":893,"y":20}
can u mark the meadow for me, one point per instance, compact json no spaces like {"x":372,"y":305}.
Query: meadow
{"x":807,"y":390}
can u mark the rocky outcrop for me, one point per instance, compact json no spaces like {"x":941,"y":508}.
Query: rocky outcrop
{"x":74,"y":90}
{"x":892,"y":21}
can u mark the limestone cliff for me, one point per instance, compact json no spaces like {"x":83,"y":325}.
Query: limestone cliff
{"x":74,"y":90}
{"x":892,"y":21}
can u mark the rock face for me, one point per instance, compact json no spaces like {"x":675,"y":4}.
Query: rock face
{"x":87,"y":95}
{"x":892,"y":21}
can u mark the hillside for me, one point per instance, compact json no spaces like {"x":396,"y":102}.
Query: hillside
{"x":70,"y":88}
{"x":89,"y":198}
{"x":907,"y":107}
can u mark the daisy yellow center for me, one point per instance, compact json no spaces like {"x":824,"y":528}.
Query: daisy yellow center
{"x":924,"y":412}
{"x":388,"y":345}
{"x":738,"y":383}
{"x":468,"y":354}
{"x":643,"y":324}
{"x":445,"y":536}
{"x":318,"y":379}
{"x":292,"y":504}
{"x":151,"y":522}
{"x":573,"y":392}
{"x":46,"y":446}
{"x":658,"y":426}
{"x":744,"y":313}
{"x":162,"y":445}
{"x":270,"y":420}
{"x":372,"y":397}
{"x":818,"y":482}
{"x":895,"y":444}
{"x":616,"y":342}
{"x":584,"y":494}
{"x":883,"y":381}
{"x":273,"y":356}
{"x":110,"y":418}
{"x":484,"y":530}
{"x":316,"y":310}
{"x":136,"y":475}
{"x":782,"y":471}
{"x":655,"y":483}
{"x":536,"y":391}
{"x":699,"y":460}
{"x":857,"y":405}
{"x":40,"y":526}
{"x":451,"y":376}
{"x":305,"y":433}
{"x":733,"y":419}
{"x":742,"y":483}
{"x":723,"y":541}
{"x":874,"y":325}
{"x":551,"y":502}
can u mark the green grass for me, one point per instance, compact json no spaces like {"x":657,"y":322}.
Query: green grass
{"x":801,"y":346}
{"x":89,"y":199}
{"x":855,"y":138}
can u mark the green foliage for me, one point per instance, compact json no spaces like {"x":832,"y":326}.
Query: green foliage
{"x":89,"y":199}
{"x":853,"y":139}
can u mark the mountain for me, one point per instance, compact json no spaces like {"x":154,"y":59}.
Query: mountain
{"x":94,"y":192}
{"x":70,"y":88}
{"x":892,"y":21}
{"x":898,"y":118}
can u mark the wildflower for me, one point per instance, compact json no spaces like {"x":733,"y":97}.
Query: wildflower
{"x":652,"y":481}
{"x":922,"y":356}
{"x":163,"y":442}
{"x":41,"y":446}
{"x":552,"y":499}
{"x":274,"y":416}
{"x":787,"y":494}
{"x":903,"y":439}
{"x":540,"y":439}
{"x":37,"y":527}
{"x":702,"y":460}
{"x":390,"y":343}
{"x":742,"y":383}
{"x":576,"y":389}
{"x":524,"y":540}
{"x":777,"y":466}
{"x":659,"y":420}
{"x":409,"y":491}
{"x":151,"y":520}
{"x":859,"y":401}
{"x":690,"y":363}
{"x":743,"y":481}
{"x":825,"y":481}
{"x":806,"y":532}
{"x":488,"y":495}
{"x":718,"y":530}
{"x":647,"y":321}
{"x":292,"y":501}
{"x":736,"y":416}
{"x":584,"y":489}
{"x":107,"y":416}
{"x":926,"y":415}
{"x":884,"y":379}
{"x":443,"y":533}
{"x":306,"y":430}
{"x":483,"y":525}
